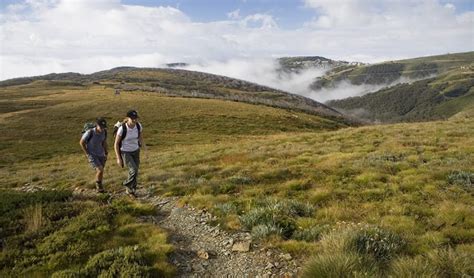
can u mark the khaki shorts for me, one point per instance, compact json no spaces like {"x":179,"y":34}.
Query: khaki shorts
{"x":97,"y":161}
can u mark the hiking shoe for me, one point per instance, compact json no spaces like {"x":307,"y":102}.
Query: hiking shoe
{"x":130,"y":192}
{"x":99,"y":188}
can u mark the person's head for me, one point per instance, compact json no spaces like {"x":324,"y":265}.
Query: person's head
{"x":101,"y":123}
{"x":132,"y":115}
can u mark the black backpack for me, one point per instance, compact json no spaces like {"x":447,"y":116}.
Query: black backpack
{"x":124,"y":131}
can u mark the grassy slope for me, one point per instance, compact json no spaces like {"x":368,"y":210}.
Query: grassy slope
{"x":414,"y":180}
{"x":36,"y":115}
{"x":182,"y":83}
{"x":386,"y":72}
{"x":435,"y":98}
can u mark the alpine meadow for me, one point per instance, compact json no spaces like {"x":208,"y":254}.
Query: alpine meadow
{"x":336,"y":196}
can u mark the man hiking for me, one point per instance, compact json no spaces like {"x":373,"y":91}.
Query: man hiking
{"x":94,"y":144}
{"x":128,"y":141}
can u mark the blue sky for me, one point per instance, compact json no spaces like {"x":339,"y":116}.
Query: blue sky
{"x":287,"y":13}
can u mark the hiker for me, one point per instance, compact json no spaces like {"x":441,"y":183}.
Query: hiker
{"x":128,"y":141}
{"x":94,"y":144}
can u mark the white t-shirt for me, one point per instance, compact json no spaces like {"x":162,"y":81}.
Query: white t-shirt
{"x":130,"y":142}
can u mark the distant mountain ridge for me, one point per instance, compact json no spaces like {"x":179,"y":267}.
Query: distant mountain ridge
{"x":298,"y":63}
{"x":434,"y":98}
{"x":388,"y":72}
{"x":184,"y":83}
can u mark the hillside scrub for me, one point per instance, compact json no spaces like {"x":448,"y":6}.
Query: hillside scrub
{"x":80,"y":238}
{"x":391,"y":71}
{"x":409,"y":185}
{"x":430,"y":99}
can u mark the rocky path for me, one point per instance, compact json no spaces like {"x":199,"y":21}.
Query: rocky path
{"x":202,"y":250}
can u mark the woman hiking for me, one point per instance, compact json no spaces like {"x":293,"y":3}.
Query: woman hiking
{"x":128,"y":141}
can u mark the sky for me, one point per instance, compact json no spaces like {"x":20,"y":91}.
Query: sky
{"x":228,"y":37}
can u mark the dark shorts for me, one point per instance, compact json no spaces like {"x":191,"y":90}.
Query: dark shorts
{"x":97,"y":161}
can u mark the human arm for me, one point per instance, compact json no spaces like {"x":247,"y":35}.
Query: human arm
{"x":117,"y":149}
{"x":83,"y":143}
{"x":106,"y":148}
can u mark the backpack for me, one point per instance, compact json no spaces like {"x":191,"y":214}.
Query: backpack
{"x":124,"y":131}
{"x":88,"y":126}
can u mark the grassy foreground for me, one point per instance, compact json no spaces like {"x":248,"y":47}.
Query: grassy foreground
{"x":370,"y":201}
{"x":51,"y":234}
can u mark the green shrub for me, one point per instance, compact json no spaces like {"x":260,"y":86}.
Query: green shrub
{"x":11,"y":200}
{"x":240,"y":180}
{"x":462,"y":178}
{"x":265,"y":230}
{"x":224,"y":189}
{"x":311,"y":234}
{"x":380,"y":244}
{"x":126,"y":261}
{"x":297,"y":208}
{"x":226,"y":208}
{"x":277,"y":216}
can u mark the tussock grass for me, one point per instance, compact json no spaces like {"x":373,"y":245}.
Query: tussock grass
{"x":288,"y":188}
{"x":64,"y":237}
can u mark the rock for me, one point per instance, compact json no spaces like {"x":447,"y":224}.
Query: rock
{"x":286,"y":257}
{"x":269,"y":266}
{"x":243,"y":246}
{"x":203,"y":254}
{"x":187,"y":268}
{"x":198,"y":267}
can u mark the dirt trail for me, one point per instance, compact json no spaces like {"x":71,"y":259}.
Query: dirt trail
{"x":202,"y":250}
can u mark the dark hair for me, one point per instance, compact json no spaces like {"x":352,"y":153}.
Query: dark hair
{"x":101,"y":122}
{"x":133,"y":114}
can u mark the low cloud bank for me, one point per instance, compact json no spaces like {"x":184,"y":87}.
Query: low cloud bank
{"x":268,"y":72}
{"x":264,"y":72}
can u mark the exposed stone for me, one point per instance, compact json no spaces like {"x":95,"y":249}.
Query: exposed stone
{"x":203,"y":254}
{"x":243,"y":246}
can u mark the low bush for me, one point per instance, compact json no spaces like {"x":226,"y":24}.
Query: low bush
{"x":310,"y":234}
{"x":380,"y":244}
{"x":462,"y":178}
{"x":273,"y":216}
{"x":50,"y":234}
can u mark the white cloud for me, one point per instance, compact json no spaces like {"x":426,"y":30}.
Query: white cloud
{"x":262,"y":21}
{"x":234,"y":14}
{"x":43,"y":36}
{"x":262,"y":71}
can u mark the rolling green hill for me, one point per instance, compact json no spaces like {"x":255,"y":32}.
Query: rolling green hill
{"x":182,"y":83}
{"x":388,"y":72}
{"x":384,"y":200}
{"x":430,"y":99}
{"x":57,"y":104}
